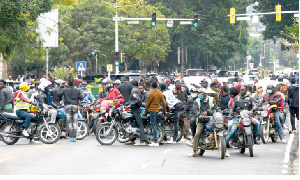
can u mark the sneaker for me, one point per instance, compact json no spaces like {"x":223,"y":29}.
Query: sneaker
{"x":70,"y":140}
{"x":187,"y":138}
{"x":227,"y":154}
{"x":294,"y":131}
{"x":194,"y":154}
{"x":189,"y":143}
{"x":154,"y":144}
{"x":74,"y":139}
{"x":140,"y":144}
{"x":283,"y":141}
{"x":25,"y":133}
{"x":129,"y":143}
{"x":33,"y":142}
{"x":290,"y":131}
{"x":171,"y":141}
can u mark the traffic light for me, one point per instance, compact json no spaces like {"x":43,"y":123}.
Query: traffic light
{"x":232,"y":18}
{"x":278,"y":9}
{"x":153,"y":24}
{"x":117,"y":56}
{"x":195,"y":21}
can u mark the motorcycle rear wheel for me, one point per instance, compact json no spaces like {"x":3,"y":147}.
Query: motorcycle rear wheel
{"x":6,"y":139}
{"x":221,"y":148}
{"x":250,"y":145}
{"x":274,"y":138}
{"x":82,"y":130}
{"x":242,"y":150}
{"x":202,"y":151}
{"x":101,"y":134}
{"x":50,"y":138}
{"x":160,"y":133}
{"x":96,"y":126}
{"x":264,"y":133}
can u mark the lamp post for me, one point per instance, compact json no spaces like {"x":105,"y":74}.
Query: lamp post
{"x":116,"y":37}
{"x":94,"y":52}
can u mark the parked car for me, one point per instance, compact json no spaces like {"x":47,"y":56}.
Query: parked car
{"x":233,"y":74}
{"x":223,"y":74}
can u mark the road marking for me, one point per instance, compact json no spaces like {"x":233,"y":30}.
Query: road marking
{"x":142,"y":167}
{"x":285,"y":166}
{"x":5,"y":159}
{"x":275,"y":149}
{"x":288,"y":149}
{"x":284,"y":171}
{"x":166,"y":151}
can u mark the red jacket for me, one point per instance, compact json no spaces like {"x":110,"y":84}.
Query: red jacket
{"x":112,"y":95}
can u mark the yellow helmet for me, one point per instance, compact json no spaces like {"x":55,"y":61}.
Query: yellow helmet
{"x":24,"y":86}
{"x":32,"y":81}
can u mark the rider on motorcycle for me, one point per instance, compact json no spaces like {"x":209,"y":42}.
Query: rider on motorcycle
{"x":242,"y":102}
{"x":272,"y":97}
{"x":114,"y":94}
{"x":22,"y":105}
{"x":86,"y":93}
{"x":45,"y":98}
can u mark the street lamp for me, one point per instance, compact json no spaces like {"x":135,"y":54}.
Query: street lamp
{"x":116,"y":37}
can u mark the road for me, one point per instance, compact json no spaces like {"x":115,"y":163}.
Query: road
{"x":88,"y":157}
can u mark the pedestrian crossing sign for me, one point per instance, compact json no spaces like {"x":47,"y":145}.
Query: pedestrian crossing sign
{"x":80,"y":66}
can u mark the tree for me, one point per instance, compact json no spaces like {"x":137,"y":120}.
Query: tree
{"x":273,"y":27}
{"x":291,"y":34}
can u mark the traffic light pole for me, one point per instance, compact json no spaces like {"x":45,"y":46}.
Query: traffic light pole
{"x":116,"y":40}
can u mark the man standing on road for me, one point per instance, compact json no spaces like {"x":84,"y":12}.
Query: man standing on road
{"x":6,"y":98}
{"x":294,"y":102}
{"x":155,"y":97}
{"x":72,"y":96}
{"x":181,"y":94}
{"x":125,"y":88}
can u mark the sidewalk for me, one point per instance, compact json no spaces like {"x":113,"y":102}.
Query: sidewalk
{"x":294,"y":154}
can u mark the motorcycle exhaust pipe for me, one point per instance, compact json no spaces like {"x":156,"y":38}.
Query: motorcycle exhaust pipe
{"x":10,"y":135}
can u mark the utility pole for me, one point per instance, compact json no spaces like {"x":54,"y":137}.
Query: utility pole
{"x":116,"y":37}
{"x":182,"y":60}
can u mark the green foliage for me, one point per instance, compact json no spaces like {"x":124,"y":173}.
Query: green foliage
{"x":292,"y":36}
{"x":94,"y":84}
{"x":62,"y":73}
{"x":273,"y":27}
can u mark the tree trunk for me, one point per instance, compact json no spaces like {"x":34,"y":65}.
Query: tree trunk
{"x":143,"y":66}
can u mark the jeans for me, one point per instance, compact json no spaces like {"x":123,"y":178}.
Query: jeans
{"x":294,"y":111}
{"x":232,"y":130}
{"x":153,"y":124}
{"x":256,"y":126}
{"x":24,"y":115}
{"x":286,"y":111}
{"x":278,"y":125}
{"x":72,"y":118}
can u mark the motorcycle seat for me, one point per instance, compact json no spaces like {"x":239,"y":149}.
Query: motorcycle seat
{"x":10,"y":115}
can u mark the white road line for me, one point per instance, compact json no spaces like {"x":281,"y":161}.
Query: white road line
{"x":284,"y":171}
{"x":288,"y":149}
{"x":145,"y":165}
{"x":285,"y":166}
{"x":275,"y":149}
{"x":166,"y":151}
{"x":1,"y":160}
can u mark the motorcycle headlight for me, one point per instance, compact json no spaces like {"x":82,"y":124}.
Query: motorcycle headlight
{"x":219,"y":123}
{"x":103,"y":109}
{"x":264,"y":114}
{"x":246,"y":121}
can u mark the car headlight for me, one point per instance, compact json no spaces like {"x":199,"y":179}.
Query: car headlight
{"x":246,"y":121}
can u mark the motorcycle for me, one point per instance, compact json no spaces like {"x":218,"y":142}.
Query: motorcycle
{"x":102,"y":113}
{"x":213,"y":133}
{"x":123,"y":127}
{"x":168,"y":126}
{"x":11,"y":130}
{"x":268,"y":126}
{"x":244,"y":135}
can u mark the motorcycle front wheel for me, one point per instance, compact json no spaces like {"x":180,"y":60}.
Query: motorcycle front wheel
{"x":51,"y":135}
{"x":264,"y":133}
{"x":221,"y":148}
{"x":104,"y":137}
{"x":82,"y":130}
{"x":6,"y":128}
{"x":250,"y":145}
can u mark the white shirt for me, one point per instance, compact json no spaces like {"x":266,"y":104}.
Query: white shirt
{"x":170,"y":98}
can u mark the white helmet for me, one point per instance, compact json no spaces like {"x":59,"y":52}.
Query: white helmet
{"x":44,"y":84}
{"x":59,"y":81}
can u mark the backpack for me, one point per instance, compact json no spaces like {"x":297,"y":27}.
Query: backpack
{"x":284,"y":90}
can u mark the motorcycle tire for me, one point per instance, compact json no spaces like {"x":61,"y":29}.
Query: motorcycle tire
{"x":121,"y":138}
{"x":242,"y":150}
{"x":50,"y":139}
{"x":202,"y":151}
{"x":274,"y":138}
{"x":100,"y":134}
{"x":250,"y":145}
{"x":264,"y":133}
{"x":180,"y":132}
{"x":161,"y":135}
{"x":9,"y":140}
{"x":221,"y":148}
{"x":96,"y":126}
{"x":82,"y":130}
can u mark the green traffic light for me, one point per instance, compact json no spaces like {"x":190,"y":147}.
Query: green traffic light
{"x":196,"y":25}
{"x":153,"y":23}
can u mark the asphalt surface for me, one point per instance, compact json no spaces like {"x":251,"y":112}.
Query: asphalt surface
{"x":88,"y":157}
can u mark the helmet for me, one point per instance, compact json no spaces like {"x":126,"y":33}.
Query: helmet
{"x":44,"y":84}
{"x":59,"y":81}
{"x":106,"y":81}
{"x":109,"y":86}
{"x":117,"y":81}
{"x":24,"y":86}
